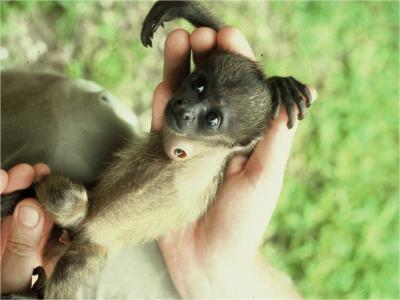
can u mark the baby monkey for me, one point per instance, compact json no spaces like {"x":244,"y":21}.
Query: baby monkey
{"x":167,"y":180}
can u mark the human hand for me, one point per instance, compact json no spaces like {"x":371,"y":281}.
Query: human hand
{"x":214,"y":256}
{"x":24,"y":234}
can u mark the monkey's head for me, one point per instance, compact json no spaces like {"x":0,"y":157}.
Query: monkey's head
{"x":224,"y":102}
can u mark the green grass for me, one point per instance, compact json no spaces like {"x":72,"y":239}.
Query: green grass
{"x":336,"y":229}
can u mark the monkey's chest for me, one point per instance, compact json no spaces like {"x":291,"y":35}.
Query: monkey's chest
{"x":172,"y":199}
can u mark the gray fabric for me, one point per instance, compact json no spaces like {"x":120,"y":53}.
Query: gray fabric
{"x":134,"y":272}
{"x":74,"y":126}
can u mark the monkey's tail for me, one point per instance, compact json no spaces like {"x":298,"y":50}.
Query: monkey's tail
{"x":10,"y":201}
{"x":164,"y":11}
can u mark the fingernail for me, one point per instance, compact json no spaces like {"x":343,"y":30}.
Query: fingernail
{"x":28,"y":216}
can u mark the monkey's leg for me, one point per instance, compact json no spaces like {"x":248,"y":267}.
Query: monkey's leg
{"x":82,"y":260}
{"x":289,"y":92}
{"x":65,"y":200}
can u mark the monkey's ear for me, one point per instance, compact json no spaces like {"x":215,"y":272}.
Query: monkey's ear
{"x":289,"y":92}
{"x":178,"y":149}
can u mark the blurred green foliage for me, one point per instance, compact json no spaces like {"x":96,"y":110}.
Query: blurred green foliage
{"x":336,"y":229}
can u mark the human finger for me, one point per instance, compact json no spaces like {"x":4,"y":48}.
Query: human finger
{"x":5,"y":228}
{"x":22,"y":250}
{"x":236,"y":164}
{"x":202,"y":41}
{"x":176,"y":58}
{"x":3,"y":180}
{"x":41,"y":170}
{"x":20,"y":177}
{"x":232,"y":40}
{"x":161,"y":96}
{"x":264,"y":171}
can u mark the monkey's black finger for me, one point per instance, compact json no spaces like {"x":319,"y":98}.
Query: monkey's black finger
{"x":288,"y":101}
{"x":291,"y":114}
{"x":305,"y":92}
{"x":146,"y":37}
{"x":40,"y":284}
{"x":276,"y":98}
{"x":298,"y":99}
{"x":301,"y":106}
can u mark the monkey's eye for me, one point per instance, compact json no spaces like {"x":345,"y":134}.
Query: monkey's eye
{"x":199,"y":85}
{"x":213,"y":119}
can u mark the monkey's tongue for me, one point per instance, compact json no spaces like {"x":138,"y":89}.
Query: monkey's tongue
{"x":178,"y":149}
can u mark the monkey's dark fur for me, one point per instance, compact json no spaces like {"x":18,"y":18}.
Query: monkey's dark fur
{"x":223,"y":107}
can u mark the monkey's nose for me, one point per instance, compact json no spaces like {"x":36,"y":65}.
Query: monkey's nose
{"x":185,"y":115}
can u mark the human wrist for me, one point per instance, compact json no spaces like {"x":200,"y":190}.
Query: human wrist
{"x":232,"y":279}
{"x":223,"y":279}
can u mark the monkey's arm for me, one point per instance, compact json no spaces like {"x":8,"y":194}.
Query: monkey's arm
{"x":164,"y":11}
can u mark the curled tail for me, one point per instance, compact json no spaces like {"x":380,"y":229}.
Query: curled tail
{"x":164,"y":11}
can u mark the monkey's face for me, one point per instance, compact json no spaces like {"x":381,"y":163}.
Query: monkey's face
{"x":223,"y":101}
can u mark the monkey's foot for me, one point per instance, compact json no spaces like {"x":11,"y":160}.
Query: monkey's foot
{"x":40,"y":284}
{"x":65,"y":200}
{"x":289,"y":92}
{"x":159,"y":14}
{"x":164,"y":11}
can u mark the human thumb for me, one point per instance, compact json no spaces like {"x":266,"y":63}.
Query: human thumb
{"x":22,"y":249}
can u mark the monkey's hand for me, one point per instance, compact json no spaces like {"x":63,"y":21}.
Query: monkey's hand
{"x":289,"y":92}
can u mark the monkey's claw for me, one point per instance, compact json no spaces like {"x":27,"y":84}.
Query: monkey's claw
{"x":40,"y":284}
{"x":289,"y":92}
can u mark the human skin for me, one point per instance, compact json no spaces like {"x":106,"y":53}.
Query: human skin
{"x":218,"y":255}
{"x":24,"y":234}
